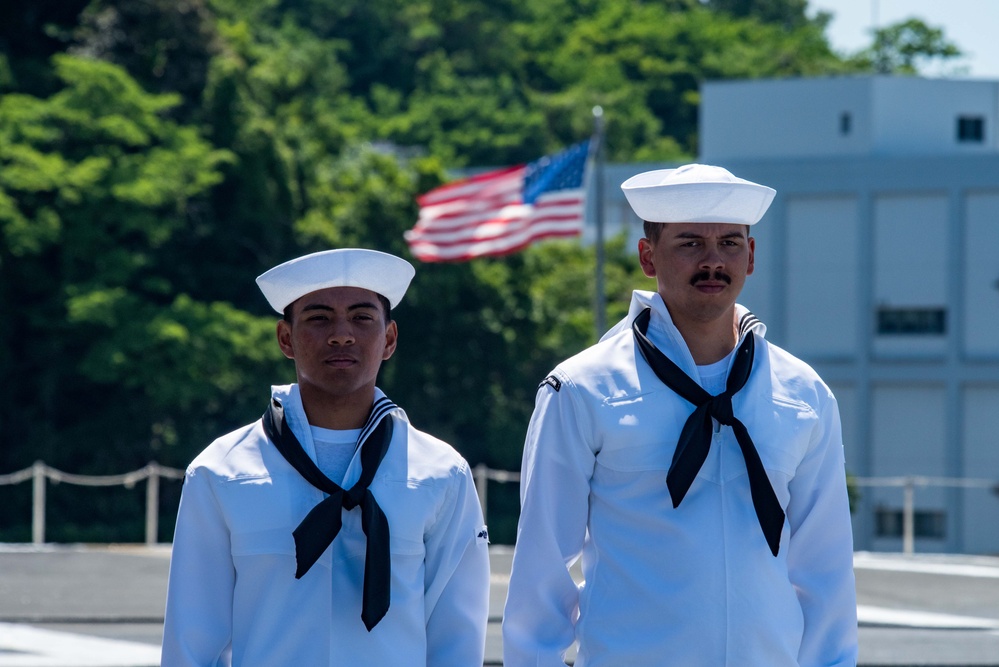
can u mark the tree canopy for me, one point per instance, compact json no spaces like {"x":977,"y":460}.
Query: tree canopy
{"x":156,"y":155}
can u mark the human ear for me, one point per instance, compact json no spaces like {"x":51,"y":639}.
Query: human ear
{"x":645,"y":249}
{"x":391,"y":340}
{"x":284,"y":339}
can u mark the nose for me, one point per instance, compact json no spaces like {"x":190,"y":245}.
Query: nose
{"x":340,"y":334}
{"x":712,"y":258}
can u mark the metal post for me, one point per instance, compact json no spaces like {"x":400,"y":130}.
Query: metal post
{"x":152,"y":503}
{"x":600,"y":296}
{"x":481,"y":474}
{"x":38,"y":505}
{"x":908,"y":516}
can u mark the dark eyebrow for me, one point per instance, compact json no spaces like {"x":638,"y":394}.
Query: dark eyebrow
{"x":356,"y":306}
{"x":363,"y":304}
{"x":693,"y":235}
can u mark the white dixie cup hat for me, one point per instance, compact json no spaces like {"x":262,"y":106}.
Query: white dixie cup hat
{"x":372,"y":270}
{"x":697,"y":193}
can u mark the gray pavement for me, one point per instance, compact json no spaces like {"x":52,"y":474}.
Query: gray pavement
{"x":102,"y":606}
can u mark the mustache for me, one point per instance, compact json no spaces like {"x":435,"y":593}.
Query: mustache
{"x":708,"y":275}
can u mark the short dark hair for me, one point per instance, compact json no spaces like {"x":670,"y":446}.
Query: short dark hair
{"x":653,"y":230}
{"x":386,"y":306}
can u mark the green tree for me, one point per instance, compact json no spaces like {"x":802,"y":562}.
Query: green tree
{"x":166,"y":45}
{"x":644,"y":63}
{"x":136,"y":209}
{"x":907,"y":47}
{"x":477,"y":338}
{"x":31,"y":32}
{"x":790,"y":14}
{"x":119,"y":365}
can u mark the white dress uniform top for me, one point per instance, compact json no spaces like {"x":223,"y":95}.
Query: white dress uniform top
{"x":233,"y":597}
{"x":695,"y":585}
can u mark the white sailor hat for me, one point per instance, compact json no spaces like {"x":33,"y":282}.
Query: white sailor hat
{"x":697,"y":193}
{"x":379,"y":272}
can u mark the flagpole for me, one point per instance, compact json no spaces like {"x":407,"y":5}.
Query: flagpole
{"x":600,"y":297}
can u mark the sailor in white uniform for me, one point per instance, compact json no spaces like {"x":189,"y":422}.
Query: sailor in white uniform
{"x":330,"y":531}
{"x":696,"y":469}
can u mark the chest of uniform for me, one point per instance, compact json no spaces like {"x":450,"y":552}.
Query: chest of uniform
{"x":639,"y":432}
{"x":262,"y":511}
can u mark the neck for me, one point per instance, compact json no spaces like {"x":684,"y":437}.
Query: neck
{"x":708,"y":341}
{"x":337,"y":412}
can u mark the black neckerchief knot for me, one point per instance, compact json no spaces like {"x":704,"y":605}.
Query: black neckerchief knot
{"x":720,"y":407}
{"x":695,"y":438}
{"x":322,"y":524}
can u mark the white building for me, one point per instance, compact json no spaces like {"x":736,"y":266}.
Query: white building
{"x":878,"y":264}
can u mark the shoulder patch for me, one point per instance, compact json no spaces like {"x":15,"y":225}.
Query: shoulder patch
{"x":552,"y":382}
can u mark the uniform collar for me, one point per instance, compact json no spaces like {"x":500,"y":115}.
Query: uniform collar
{"x":294,"y":414}
{"x":642,"y":299}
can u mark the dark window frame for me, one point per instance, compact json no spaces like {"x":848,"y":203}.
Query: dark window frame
{"x":927,"y":524}
{"x":845,"y":123}
{"x":971,"y":129}
{"x":928,"y":321}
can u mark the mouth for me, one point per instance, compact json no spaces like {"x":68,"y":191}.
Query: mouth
{"x":710,"y":287}
{"x":340,"y":361}
{"x":710,"y":284}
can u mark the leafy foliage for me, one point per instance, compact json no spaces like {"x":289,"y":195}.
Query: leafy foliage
{"x":120,"y":366}
{"x":156,"y":155}
{"x":902,"y":47}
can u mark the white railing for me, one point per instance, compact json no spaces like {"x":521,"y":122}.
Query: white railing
{"x":39,"y":472}
{"x":482,"y":475}
{"x":908,"y":483}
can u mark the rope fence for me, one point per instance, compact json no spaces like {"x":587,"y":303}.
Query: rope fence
{"x":39,"y":472}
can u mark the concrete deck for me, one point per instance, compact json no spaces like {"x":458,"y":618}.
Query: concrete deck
{"x":102,"y":606}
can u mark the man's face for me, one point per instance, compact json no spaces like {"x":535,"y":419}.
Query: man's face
{"x":700,"y":268}
{"x":338,"y":338}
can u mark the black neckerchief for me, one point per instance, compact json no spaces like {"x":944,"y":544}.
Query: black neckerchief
{"x":322,"y":524}
{"x":695,"y":438}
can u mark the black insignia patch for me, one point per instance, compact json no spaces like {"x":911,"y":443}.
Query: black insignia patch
{"x":552,"y":382}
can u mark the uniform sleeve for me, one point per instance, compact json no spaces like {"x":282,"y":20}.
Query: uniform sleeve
{"x":197,"y":628}
{"x":820,"y":552}
{"x":457,"y":579}
{"x":543,"y":600}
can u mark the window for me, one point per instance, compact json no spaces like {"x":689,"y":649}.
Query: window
{"x":912,"y":321}
{"x":925,"y":523}
{"x":971,"y":129}
{"x":845,"y":123}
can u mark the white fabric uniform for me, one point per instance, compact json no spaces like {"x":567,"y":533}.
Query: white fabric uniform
{"x":233,"y":597}
{"x":696,"y":585}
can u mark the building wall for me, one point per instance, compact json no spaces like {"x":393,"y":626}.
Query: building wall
{"x":980,"y":241}
{"x":909,"y":433}
{"x":846,"y":239}
{"x":878,"y":264}
{"x":912,"y":115}
{"x":980,"y":519}
{"x":823,"y":267}
{"x":911,"y":233}
{"x":845,"y":116}
{"x":852,"y":239}
{"x":771,"y":125}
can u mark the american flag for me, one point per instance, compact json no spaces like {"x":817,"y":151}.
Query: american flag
{"x":502,"y":211}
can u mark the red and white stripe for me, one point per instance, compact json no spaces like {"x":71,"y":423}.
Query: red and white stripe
{"x":485,"y":216}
